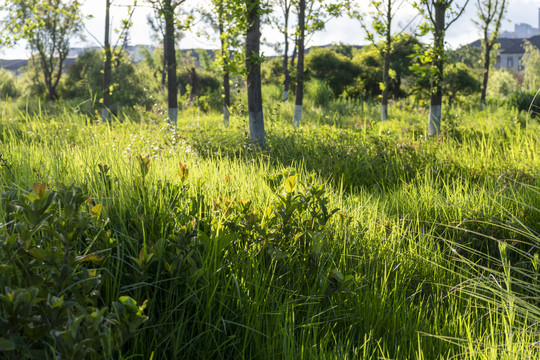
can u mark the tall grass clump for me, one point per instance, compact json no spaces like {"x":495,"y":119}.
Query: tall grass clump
{"x":498,"y":264}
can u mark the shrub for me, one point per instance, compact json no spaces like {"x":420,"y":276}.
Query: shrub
{"x":336,"y":70}
{"x":50,"y":250}
{"x":531,"y":66}
{"x":85,"y":80}
{"x":502,"y":83}
{"x":8,"y":86}
{"x":525,"y":101}
{"x":458,"y":79}
{"x":272,"y":71}
{"x":206,"y":82}
{"x":318,"y":91}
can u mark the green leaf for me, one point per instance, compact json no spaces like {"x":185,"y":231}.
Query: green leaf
{"x":39,"y":254}
{"x":290,"y":184}
{"x":6,"y":345}
{"x":90,"y":257}
{"x":96,"y":210}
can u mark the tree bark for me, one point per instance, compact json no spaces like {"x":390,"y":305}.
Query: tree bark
{"x":435,"y":107}
{"x":194,"y":82}
{"x":487,"y":63}
{"x":107,"y":67}
{"x":295,"y":50}
{"x":300,"y":66}
{"x":253,"y":64}
{"x":287,"y":80}
{"x":490,"y":12}
{"x":170,"y":56}
{"x":386,"y":66}
{"x":226,"y":76}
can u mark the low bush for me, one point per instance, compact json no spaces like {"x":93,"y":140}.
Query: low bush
{"x":8,"y":84}
{"x":53,"y":245}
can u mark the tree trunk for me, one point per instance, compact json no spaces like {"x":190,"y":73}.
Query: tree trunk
{"x":386,"y":82}
{"x":105,"y":110}
{"x":386,"y":66}
{"x":435,"y":107}
{"x":300,"y":66}
{"x":226,"y":76}
{"x":253,"y":64}
{"x":170,"y":56}
{"x":48,"y":64}
{"x":286,"y":72}
{"x":164,"y":68}
{"x":194,"y":82}
{"x":295,"y":50}
{"x":487,"y":54}
{"x":226,"y":98}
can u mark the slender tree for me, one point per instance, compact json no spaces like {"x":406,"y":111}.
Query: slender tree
{"x":311,"y":18}
{"x":223,"y":16}
{"x":167,"y":10}
{"x":490,"y":15}
{"x":440,"y":16}
{"x":382,"y":17}
{"x":282,"y":22}
{"x":157,"y":25}
{"x":48,"y":27}
{"x":254,"y":11}
{"x":109,"y":50}
{"x":107,"y":69}
{"x":300,"y":64}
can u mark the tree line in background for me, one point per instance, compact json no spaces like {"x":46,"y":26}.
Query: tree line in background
{"x":394,"y":65}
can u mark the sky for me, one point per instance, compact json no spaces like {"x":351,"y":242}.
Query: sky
{"x":344,"y":30}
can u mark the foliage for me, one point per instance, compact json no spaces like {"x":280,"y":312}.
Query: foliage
{"x":458,"y":79}
{"x":502,"y":84}
{"x":319,"y":92}
{"x":343,"y":49}
{"x":272,"y":71}
{"x":50,"y":251}
{"x":531,"y":66}
{"x":85,"y":79}
{"x":336,"y":70}
{"x":48,"y":27}
{"x":31,"y":81}
{"x":527,"y":101}
{"x":8,"y":84}
{"x":468,"y":55}
{"x":367,"y":83}
{"x":225,"y":18}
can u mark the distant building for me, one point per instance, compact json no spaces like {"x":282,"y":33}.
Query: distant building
{"x":522,"y":30}
{"x":511,"y":51}
{"x":503,"y":56}
{"x":511,"y":58}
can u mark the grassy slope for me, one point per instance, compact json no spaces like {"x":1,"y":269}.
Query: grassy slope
{"x":375,"y":282}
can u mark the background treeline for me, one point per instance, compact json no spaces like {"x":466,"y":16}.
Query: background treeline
{"x":338,"y":71}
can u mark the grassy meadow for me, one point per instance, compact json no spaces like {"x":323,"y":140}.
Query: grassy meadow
{"x":345,"y":238}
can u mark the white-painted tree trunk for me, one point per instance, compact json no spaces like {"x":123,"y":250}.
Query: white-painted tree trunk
{"x":434,"y":125}
{"x":285,"y":95}
{"x":173,"y":116}
{"x":297,"y":115}
{"x":384,"y":112}
{"x":226,"y":116}
{"x":105,"y":115}
{"x":256,"y":127}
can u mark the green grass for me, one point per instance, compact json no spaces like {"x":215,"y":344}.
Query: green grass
{"x":410,"y":267}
